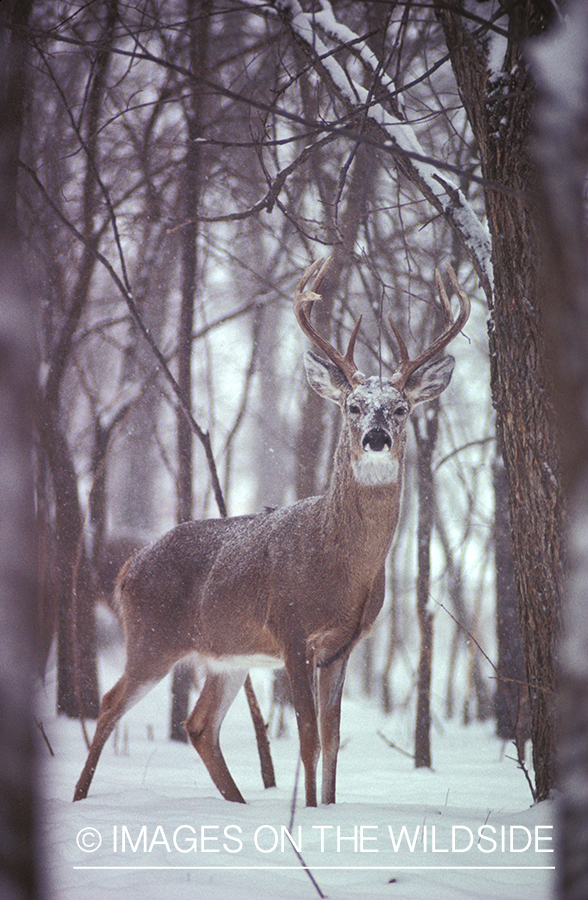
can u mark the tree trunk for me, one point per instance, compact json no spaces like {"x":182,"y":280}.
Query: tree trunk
{"x":426,"y":428}
{"x":510,"y":698}
{"x":191,"y":191}
{"x":498,"y":106}
{"x":77,"y":682}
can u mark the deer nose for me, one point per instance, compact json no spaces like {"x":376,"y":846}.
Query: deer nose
{"x":377,"y":440}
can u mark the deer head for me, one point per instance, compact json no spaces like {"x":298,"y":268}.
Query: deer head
{"x":376,"y":409}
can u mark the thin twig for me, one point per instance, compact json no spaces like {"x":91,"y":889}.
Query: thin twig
{"x":399,"y":749}
{"x":291,"y":828}
{"x":39,"y":725}
{"x":522,"y":766}
{"x":499,"y":676}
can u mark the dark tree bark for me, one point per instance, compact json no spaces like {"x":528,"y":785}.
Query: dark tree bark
{"x":19,"y":853}
{"x":77,"y":687}
{"x":426,"y":429}
{"x":498,"y":106}
{"x":510,"y":698}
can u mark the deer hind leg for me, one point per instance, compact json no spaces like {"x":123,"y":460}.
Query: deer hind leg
{"x":145,"y":667}
{"x":331,"y":681}
{"x":204,"y":723}
{"x":125,"y":693}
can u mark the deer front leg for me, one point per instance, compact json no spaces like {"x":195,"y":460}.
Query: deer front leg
{"x":331,"y":680}
{"x":300,"y":673}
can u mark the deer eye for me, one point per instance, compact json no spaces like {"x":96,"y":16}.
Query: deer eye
{"x":354,"y":409}
{"x":400,"y":411}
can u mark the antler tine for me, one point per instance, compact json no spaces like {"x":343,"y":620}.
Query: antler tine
{"x":321,"y":266}
{"x":403,"y":352}
{"x":408,"y":366}
{"x":443,"y":295}
{"x":303,"y":303}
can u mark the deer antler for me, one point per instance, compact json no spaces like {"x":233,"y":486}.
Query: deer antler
{"x":303,"y":303}
{"x":407,"y":366}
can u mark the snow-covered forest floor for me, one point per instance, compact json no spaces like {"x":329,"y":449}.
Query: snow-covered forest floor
{"x":154,"y":827}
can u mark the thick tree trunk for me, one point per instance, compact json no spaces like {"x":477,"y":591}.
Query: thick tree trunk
{"x":498,"y":106}
{"x":510,"y":699}
{"x":528,"y":436}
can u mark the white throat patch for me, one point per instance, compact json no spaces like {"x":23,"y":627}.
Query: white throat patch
{"x":373,"y":469}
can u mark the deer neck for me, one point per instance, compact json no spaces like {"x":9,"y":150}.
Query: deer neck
{"x":363,"y":515}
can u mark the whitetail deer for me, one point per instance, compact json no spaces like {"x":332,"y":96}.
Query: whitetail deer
{"x":297,"y":586}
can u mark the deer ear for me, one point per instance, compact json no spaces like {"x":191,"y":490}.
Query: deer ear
{"x":430,"y":380}
{"x":326,"y":378}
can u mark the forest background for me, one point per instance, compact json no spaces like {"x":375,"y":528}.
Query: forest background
{"x":169,"y":170}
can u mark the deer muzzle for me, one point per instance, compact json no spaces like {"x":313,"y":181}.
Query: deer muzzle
{"x":376,"y":440}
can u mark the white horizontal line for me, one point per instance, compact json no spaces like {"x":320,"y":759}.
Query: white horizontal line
{"x":335,"y":868}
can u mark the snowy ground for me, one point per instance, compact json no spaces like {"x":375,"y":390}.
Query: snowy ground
{"x":153,"y":826}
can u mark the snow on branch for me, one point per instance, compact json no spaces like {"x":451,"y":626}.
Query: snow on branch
{"x":398,"y":135}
